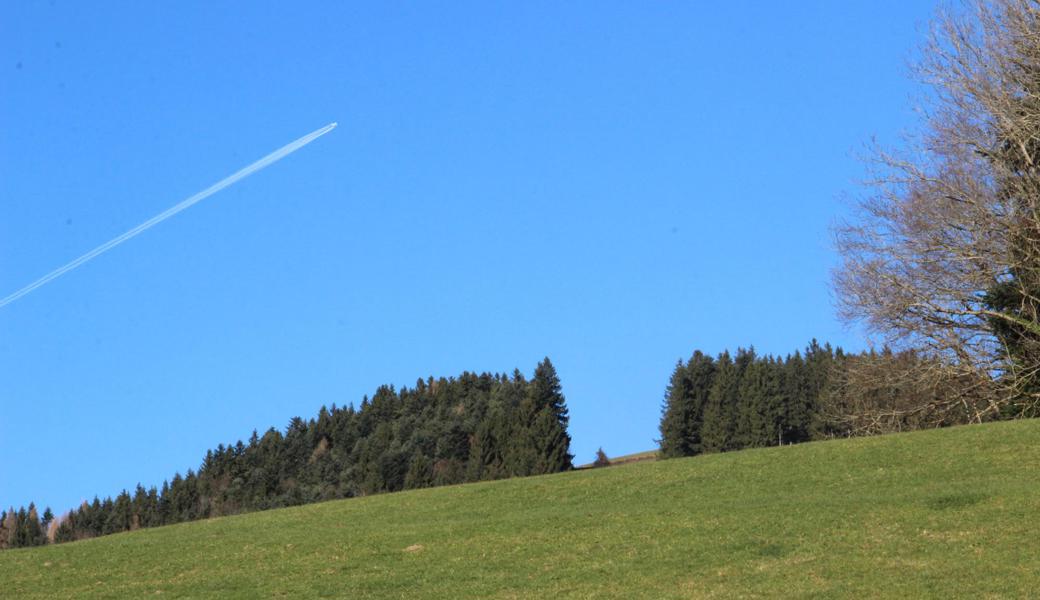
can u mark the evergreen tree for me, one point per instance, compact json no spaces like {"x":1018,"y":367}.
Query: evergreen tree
{"x":442,"y":431}
{"x":801,"y":403}
{"x":548,"y":430}
{"x":22,"y":533}
{"x":751,"y":394}
{"x":420,"y":472}
{"x":685,"y":401}
{"x":36,"y":534}
{"x":718,"y":426}
{"x":675,"y":420}
{"x":701,"y":372}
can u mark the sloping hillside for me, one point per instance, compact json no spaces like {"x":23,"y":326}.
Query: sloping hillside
{"x":931,"y":514}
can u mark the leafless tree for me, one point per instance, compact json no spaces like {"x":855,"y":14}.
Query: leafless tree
{"x":886,"y":392}
{"x":944,"y":253}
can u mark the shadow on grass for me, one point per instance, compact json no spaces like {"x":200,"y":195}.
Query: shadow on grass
{"x":955,"y":500}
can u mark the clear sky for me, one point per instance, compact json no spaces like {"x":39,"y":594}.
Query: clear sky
{"x":612,"y":185}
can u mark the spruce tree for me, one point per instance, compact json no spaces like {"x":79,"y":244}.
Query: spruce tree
{"x":443,"y":431}
{"x":750,"y":410}
{"x":701,"y":372}
{"x":36,"y":535}
{"x":801,"y":402}
{"x":22,"y":536}
{"x":685,"y":400}
{"x":420,"y":472}
{"x":821,"y":366}
{"x":718,"y":425}
{"x":547,"y":427}
{"x":674,"y":427}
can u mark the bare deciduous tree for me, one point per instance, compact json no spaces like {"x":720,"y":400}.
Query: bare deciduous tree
{"x":874,"y":393}
{"x":944,"y":256}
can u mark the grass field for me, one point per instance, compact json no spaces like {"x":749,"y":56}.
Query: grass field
{"x":948,"y":513}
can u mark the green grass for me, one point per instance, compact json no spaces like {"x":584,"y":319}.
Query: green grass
{"x":948,"y":513}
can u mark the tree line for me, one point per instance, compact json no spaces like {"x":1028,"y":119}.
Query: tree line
{"x":24,"y":527}
{"x":746,"y":400}
{"x":439,"y":432}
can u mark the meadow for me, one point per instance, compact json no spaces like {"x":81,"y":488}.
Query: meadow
{"x":939,"y":513}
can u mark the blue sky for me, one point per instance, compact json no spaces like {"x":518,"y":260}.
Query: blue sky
{"x":611,"y":185}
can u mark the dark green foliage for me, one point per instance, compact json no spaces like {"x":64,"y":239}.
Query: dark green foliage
{"x":602,"y":460}
{"x":23,"y":528}
{"x":440,"y":432}
{"x":1018,"y":336}
{"x":754,"y":401}
{"x":717,"y":405}
{"x":801,"y":401}
{"x":719,"y":421}
{"x":541,"y":443}
{"x":686,"y":398}
{"x":760,"y":414}
{"x":674,"y":415}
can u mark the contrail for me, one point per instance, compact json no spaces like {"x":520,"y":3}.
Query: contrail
{"x":271,"y":158}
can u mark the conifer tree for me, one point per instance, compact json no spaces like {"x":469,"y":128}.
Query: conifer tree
{"x":549,"y":428}
{"x":719,"y":424}
{"x":685,"y":401}
{"x":801,"y":402}
{"x":443,"y":431}
{"x":48,"y":516}
{"x":675,"y":420}
{"x":751,"y":394}
{"x":35,"y":534}
{"x":701,"y":372}
{"x":420,"y":472}
{"x":21,"y":533}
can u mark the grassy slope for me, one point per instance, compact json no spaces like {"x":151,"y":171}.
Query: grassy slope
{"x":937,"y":514}
{"x":627,"y":458}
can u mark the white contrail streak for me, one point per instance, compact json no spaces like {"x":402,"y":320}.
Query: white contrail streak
{"x":166,"y":214}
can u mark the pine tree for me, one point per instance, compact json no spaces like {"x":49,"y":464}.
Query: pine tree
{"x":21,"y":533}
{"x":701,"y":372}
{"x":751,"y":404}
{"x":821,"y":366}
{"x":484,"y":456}
{"x":548,"y":430}
{"x":718,"y":425}
{"x":774,"y":410}
{"x":675,"y":434}
{"x":443,"y":431}
{"x":801,"y":402}
{"x":745,"y":397}
{"x":420,"y":472}
{"x":36,"y":535}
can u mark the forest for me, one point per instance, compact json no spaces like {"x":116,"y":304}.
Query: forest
{"x":492,"y":426}
{"x":746,"y":400}
{"x":439,"y":432}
